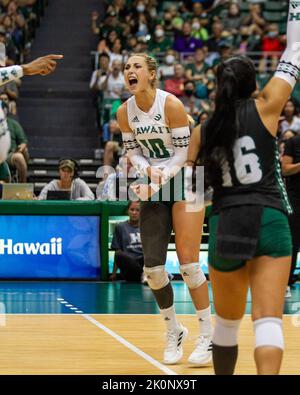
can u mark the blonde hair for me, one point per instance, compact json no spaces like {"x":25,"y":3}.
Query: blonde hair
{"x":151,"y":65}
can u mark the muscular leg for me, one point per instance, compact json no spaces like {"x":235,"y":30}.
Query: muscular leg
{"x":188,"y":234}
{"x":230,"y":296}
{"x":19,"y":162}
{"x":268,"y":279}
{"x":156,"y":228}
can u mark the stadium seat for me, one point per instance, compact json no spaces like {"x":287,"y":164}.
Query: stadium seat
{"x":275,"y":6}
{"x":276,"y":17}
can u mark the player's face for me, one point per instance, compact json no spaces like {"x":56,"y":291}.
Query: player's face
{"x":136,"y":74}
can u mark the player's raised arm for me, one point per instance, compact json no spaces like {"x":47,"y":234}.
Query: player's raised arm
{"x":44,"y":65}
{"x":276,"y":93}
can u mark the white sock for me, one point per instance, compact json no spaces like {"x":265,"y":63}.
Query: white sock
{"x":204,"y":318}
{"x":169,"y":317}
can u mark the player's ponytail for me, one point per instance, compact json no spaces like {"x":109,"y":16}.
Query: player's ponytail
{"x":235,"y":82}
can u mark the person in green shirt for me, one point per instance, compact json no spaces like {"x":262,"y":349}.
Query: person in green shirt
{"x":18,"y":155}
{"x":160,"y":43}
{"x":195,"y":71}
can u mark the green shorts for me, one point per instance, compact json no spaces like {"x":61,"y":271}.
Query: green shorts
{"x":274,"y":240}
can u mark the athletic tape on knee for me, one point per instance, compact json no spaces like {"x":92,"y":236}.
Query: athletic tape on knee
{"x":268,"y":332}
{"x":157,"y":277}
{"x":226,"y":332}
{"x":192,"y":275}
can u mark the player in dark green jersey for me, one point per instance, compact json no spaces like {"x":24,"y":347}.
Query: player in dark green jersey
{"x":250,"y":241}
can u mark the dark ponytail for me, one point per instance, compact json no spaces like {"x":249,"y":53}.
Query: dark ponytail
{"x":235,"y":82}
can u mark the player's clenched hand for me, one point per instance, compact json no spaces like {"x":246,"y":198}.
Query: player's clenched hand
{"x":43,"y":66}
{"x":155,"y":175}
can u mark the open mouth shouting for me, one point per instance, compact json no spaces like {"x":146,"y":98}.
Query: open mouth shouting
{"x":132,"y":82}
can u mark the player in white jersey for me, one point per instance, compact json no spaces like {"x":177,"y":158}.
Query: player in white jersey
{"x":43,"y":66}
{"x":156,"y":136}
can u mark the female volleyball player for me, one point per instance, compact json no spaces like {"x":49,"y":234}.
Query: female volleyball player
{"x":44,"y":65}
{"x":250,"y":242}
{"x":156,"y":136}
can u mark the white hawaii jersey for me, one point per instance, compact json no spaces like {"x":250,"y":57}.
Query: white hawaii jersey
{"x":151,"y":130}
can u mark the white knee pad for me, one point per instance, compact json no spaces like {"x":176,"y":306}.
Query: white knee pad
{"x":226,"y":332}
{"x":268,"y":332}
{"x":192,"y":275}
{"x":157,"y":277}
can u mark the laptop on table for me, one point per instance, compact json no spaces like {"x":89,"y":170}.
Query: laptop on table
{"x":17,"y":192}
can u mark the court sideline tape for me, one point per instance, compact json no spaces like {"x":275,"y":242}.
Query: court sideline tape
{"x":121,"y":340}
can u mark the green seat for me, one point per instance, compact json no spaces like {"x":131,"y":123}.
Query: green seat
{"x":275,"y":17}
{"x":282,"y":27}
{"x":275,"y":6}
{"x":244,"y":7}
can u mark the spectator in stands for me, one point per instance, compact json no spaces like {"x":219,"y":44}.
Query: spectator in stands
{"x":247,"y":42}
{"x":102,"y":71}
{"x":255,"y":18}
{"x":113,"y":145}
{"x":216,"y":37}
{"x":159,"y":43}
{"x":191,"y":103}
{"x":11,"y":50}
{"x":168,"y":24}
{"x":198,"y":31}
{"x":206,"y":85}
{"x":271,"y":43}
{"x":116,"y":51}
{"x":18,"y":24}
{"x":184,"y":42}
{"x":167,"y":68}
{"x":232,"y":18}
{"x":68,"y":181}
{"x":113,"y":84}
{"x":195,"y":71}
{"x":197,"y":9}
{"x":175,"y":85}
{"x":18,"y":155}
{"x":128,"y":248}
{"x":290,"y":119}
{"x":4,"y":173}
{"x":291,"y":170}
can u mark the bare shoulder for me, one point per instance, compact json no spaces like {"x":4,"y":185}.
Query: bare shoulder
{"x":175,"y":112}
{"x":123,"y":118}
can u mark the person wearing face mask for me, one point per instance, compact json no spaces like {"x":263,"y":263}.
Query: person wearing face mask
{"x":167,"y":70}
{"x":140,"y":7}
{"x":159,"y":42}
{"x":191,"y":104}
{"x":199,"y":32}
{"x":271,"y":43}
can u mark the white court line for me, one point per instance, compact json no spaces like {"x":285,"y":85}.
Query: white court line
{"x":120,"y":339}
{"x":129,"y":345}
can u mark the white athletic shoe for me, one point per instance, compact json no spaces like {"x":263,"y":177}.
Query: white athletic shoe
{"x":202,"y":355}
{"x":173,"y":351}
